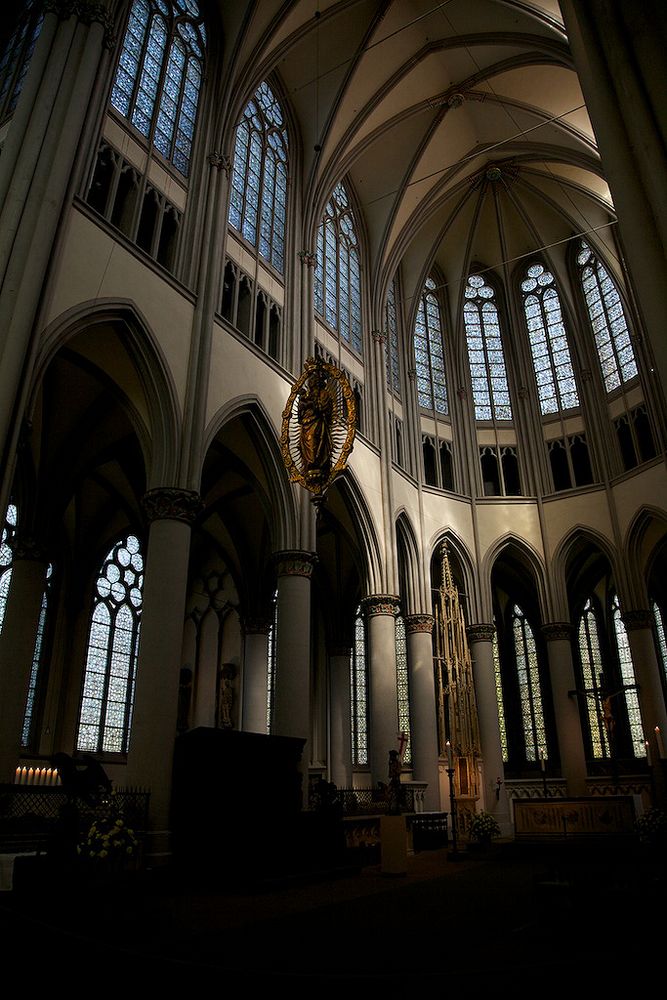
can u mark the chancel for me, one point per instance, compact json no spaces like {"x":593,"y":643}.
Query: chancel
{"x":333,"y":421}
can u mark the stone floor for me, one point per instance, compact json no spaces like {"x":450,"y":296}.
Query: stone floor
{"x":571,"y":914}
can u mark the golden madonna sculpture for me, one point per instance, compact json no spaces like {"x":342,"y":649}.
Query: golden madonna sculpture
{"x":319,"y":424}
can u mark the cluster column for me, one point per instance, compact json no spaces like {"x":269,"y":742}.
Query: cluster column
{"x":170,"y":513}
{"x":424,"y":728}
{"x":17,"y":648}
{"x":380,"y":611}
{"x":639,"y":627}
{"x":340,"y":717}
{"x":480,"y":638}
{"x":566,"y":707}
{"x":291,"y":707}
{"x":255,"y":675}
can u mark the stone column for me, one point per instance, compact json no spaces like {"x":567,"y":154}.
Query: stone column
{"x":495,"y":801}
{"x":37,"y":160}
{"x":566,"y":706}
{"x":380,"y":611}
{"x":639,"y":627}
{"x":17,"y":648}
{"x":340,"y":717}
{"x":170,"y":513}
{"x":423,"y":711}
{"x":255,"y":675}
{"x":291,"y":696}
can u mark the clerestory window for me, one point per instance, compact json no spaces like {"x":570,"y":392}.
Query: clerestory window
{"x":338,"y":269}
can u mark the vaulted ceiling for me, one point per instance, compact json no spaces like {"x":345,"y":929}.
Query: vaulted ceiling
{"x":461,"y":125}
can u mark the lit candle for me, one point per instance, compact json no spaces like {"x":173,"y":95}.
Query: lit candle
{"x":542,"y":761}
{"x":17,"y":776}
{"x":450,"y":756}
{"x":648,"y":752}
{"x":658,"y":740}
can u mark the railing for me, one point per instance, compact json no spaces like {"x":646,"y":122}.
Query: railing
{"x":33,"y":817}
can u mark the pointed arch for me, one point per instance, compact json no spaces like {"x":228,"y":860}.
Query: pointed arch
{"x":410,"y":576}
{"x":526,"y":558}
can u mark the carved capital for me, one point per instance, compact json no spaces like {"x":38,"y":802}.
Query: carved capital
{"x":636,"y":619}
{"x":419,"y":623}
{"x":481,"y":632}
{"x":168,"y":503}
{"x":557,"y":630}
{"x":379,"y":336}
{"x":462,"y":392}
{"x":308,"y":257}
{"x":86,"y":11}
{"x":27,"y":549}
{"x":295,"y":563}
{"x":380,"y":604}
{"x":256,"y":626}
{"x":221,"y":161}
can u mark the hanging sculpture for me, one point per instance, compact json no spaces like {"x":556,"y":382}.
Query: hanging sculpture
{"x":319,"y":425}
{"x":457,"y":705}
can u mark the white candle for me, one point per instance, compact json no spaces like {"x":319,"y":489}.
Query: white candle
{"x":658,"y":740}
{"x":450,"y":757}
{"x":542,"y":761}
{"x":648,"y":752}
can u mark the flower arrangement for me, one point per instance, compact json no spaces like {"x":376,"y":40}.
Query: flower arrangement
{"x":109,"y":838}
{"x":483,"y":827}
{"x":651,"y":827}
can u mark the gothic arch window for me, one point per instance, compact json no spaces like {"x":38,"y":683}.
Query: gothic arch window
{"x":530,"y":694}
{"x":391,"y":345}
{"x":488,"y":373}
{"x":556,"y":386}
{"x":8,"y":533}
{"x":359,"y":694}
{"x":628,"y":683}
{"x":403,"y":688}
{"x":590,"y":655}
{"x":17,"y":53}
{"x":429,"y":352}
{"x":338,"y":269}
{"x":607,"y":318}
{"x":159,"y":75}
{"x":111,"y":658}
{"x":257,"y":208}
{"x":34,"y":683}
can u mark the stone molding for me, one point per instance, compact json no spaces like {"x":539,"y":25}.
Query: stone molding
{"x":481,"y":632}
{"x":419,"y":623}
{"x":295,"y":563}
{"x":557,"y":630}
{"x":380,"y":604}
{"x":636,"y":619}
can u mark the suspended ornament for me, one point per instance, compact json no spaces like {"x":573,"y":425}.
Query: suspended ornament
{"x":319,"y":425}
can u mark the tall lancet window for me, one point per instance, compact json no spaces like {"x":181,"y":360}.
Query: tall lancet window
{"x":259,"y":178}
{"x":403,"y":689}
{"x":429,"y":352}
{"x":607,"y":317}
{"x":359,"y":693}
{"x":6,"y":558}
{"x":159,"y":75}
{"x":530,"y":694}
{"x":554,"y":374}
{"x":391,"y":345}
{"x":592,"y":671}
{"x":111,"y":659}
{"x":488,"y":374}
{"x":628,"y":680}
{"x":338,"y":269}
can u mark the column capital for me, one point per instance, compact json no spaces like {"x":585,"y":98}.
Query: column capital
{"x":308,"y":257}
{"x":293,"y":562}
{"x":28,"y":549}
{"x":379,"y":336}
{"x":340,"y":648}
{"x":481,"y":632}
{"x":556,"y":630}
{"x":419,"y":623}
{"x":169,"y":503}
{"x":87,"y":11}
{"x":221,"y":161}
{"x":380,"y":604}
{"x":637,"y":618}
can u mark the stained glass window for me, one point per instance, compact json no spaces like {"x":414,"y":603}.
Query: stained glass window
{"x":530,"y":695}
{"x":271,"y":672}
{"x":429,"y":352}
{"x":591,"y":670}
{"x":159,"y":75}
{"x":391,"y":344}
{"x":660,"y":633}
{"x":8,"y":533}
{"x":111,"y":659}
{"x":338,"y":269}
{"x":500,"y":699}
{"x":554,"y":374}
{"x":259,"y":177}
{"x":403,"y":687}
{"x":628,"y":681}
{"x":359,"y":694}
{"x":29,"y":715}
{"x":17,"y":53}
{"x":488,"y":374}
{"x":607,"y":316}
